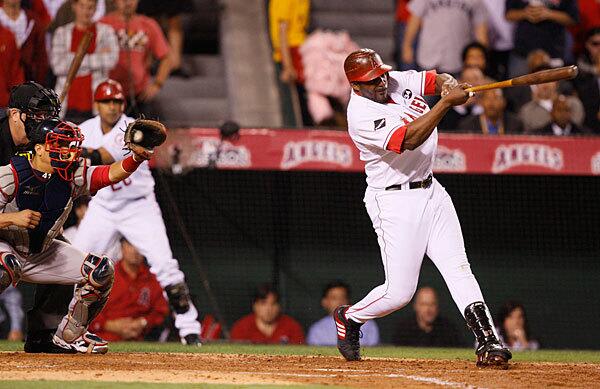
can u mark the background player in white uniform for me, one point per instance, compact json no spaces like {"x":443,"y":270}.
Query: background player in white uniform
{"x":44,"y":189}
{"x":412,"y":214}
{"x":129,"y":209}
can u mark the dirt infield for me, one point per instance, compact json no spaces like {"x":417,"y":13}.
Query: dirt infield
{"x":282,"y":370}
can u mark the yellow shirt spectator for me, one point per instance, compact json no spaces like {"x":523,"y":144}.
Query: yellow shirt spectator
{"x":295,"y":13}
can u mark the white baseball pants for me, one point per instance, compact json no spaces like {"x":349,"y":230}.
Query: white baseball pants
{"x":141,"y":223}
{"x":410,"y":223}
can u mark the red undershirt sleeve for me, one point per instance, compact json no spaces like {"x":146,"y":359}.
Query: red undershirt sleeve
{"x":396,"y":140}
{"x":429,"y":84}
{"x":99,"y":178}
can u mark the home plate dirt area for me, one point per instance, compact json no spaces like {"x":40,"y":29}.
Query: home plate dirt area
{"x":291,"y":370}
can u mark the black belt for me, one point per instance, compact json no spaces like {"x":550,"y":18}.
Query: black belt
{"x":426,"y":183}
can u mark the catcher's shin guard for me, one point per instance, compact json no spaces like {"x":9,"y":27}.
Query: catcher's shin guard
{"x":490,"y":351}
{"x":10,"y":270}
{"x":179,"y":297}
{"x":89,"y":299}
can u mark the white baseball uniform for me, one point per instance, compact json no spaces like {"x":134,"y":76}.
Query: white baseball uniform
{"x":408,"y":222}
{"x":129,"y":209}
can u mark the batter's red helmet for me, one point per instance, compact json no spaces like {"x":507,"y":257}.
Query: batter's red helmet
{"x":109,"y":90}
{"x":364,"y":65}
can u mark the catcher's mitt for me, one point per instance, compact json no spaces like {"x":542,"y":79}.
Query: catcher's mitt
{"x":143,"y":135}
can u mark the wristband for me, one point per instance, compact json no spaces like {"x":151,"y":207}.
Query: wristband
{"x":129,"y":164}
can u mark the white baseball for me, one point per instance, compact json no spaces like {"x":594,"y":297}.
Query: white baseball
{"x":138,"y":136}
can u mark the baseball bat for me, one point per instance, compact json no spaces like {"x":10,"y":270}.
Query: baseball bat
{"x":76,"y":63}
{"x":541,"y":77}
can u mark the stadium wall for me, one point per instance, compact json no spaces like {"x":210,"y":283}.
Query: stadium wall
{"x":530,"y":238}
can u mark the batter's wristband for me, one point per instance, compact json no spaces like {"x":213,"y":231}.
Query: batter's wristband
{"x":129,"y":164}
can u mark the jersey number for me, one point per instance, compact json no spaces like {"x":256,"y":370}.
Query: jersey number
{"x":117,"y":186}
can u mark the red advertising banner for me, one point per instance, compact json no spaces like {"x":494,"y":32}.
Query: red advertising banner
{"x":278,"y":149}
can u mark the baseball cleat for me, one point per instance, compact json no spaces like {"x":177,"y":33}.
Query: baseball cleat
{"x":88,"y":343}
{"x":493,"y":355}
{"x":348,"y":334}
{"x":41,"y":342}
{"x":191,"y":340}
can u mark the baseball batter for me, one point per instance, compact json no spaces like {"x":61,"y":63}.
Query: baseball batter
{"x":412,"y":214}
{"x":39,"y":194}
{"x":129,"y":209}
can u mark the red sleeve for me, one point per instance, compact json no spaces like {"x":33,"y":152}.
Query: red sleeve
{"x":429,"y":84}
{"x":158,"y":42}
{"x":40,"y":11}
{"x":158,"y":303}
{"x":396,"y":140}
{"x":99,"y":178}
{"x":17,"y":75}
{"x":41,"y":56}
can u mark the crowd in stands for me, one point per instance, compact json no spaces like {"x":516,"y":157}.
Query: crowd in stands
{"x":500,"y":38}
{"x":39,"y":38}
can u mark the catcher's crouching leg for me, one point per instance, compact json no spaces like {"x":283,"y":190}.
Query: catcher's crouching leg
{"x":490,"y":351}
{"x":89,"y":298}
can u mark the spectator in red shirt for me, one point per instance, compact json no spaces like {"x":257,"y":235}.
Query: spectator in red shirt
{"x":30,"y":38}
{"x":102,"y":56}
{"x":139,"y":37}
{"x":136,"y":304}
{"x":266,"y":323}
{"x":11,"y":72}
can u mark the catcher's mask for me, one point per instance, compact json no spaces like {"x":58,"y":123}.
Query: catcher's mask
{"x":62,"y":140}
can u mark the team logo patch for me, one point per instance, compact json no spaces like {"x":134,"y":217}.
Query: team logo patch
{"x":379,"y":124}
{"x":407,"y":94}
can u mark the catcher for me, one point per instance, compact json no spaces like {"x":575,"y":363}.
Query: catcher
{"x":45,"y":187}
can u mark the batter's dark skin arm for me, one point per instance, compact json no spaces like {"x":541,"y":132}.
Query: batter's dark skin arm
{"x":440,"y":79}
{"x":421,"y":128}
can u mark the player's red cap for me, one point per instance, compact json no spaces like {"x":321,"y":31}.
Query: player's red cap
{"x":364,"y":65}
{"x":109,"y":90}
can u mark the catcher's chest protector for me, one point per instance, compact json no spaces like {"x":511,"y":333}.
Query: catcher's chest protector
{"x":49,"y":197}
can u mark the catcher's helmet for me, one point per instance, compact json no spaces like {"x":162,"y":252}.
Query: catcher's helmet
{"x":364,"y":65}
{"x":35,"y":101}
{"x":62,"y":140}
{"x":109,"y":90}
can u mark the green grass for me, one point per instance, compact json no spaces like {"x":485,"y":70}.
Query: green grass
{"x":379,"y":352}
